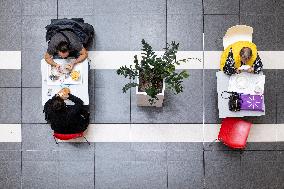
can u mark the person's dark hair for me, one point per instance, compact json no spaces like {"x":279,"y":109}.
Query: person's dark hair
{"x":63,"y":46}
{"x":246,"y":52}
{"x":57,"y":104}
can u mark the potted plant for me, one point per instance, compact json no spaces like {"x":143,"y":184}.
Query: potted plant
{"x":153,"y":74}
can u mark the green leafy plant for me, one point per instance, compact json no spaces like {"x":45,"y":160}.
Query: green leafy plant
{"x":153,"y":70}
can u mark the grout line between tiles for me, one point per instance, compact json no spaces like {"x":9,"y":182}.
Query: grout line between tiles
{"x":57,"y":9}
{"x":239,"y":11}
{"x":21,"y":97}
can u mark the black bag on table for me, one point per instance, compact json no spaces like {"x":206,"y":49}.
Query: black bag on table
{"x":235,"y":101}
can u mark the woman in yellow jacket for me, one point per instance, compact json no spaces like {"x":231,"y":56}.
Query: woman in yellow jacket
{"x":239,"y":54}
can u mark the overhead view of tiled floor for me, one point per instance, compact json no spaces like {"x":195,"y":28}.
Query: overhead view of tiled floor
{"x":139,"y":147}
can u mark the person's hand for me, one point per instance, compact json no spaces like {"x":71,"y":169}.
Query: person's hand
{"x":66,"y":90}
{"x":64,"y":93}
{"x":57,"y":66}
{"x":250,"y":70}
{"x":238,"y":71}
{"x":70,"y":66}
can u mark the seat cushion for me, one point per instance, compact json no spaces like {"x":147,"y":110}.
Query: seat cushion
{"x":67,"y":136}
{"x":234,"y":132}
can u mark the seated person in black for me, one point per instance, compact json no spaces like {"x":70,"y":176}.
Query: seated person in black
{"x":66,"y":119}
{"x":65,"y":44}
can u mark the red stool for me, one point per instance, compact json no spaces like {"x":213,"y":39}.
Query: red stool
{"x":68,"y":136}
{"x":234,"y":132}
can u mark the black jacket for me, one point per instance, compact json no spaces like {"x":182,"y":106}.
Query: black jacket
{"x":84,"y":31}
{"x":73,"y":119}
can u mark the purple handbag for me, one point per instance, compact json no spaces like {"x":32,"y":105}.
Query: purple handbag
{"x":252,"y":102}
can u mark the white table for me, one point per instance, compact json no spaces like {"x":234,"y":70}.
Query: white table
{"x":79,"y":90}
{"x":222,"y":85}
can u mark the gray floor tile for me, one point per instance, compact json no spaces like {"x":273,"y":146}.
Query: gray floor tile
{"x":269,"y":99}
{"x":185,"y":107}
{"x":10,"y":105}
{"x":153,"y":156}
{"x":151,"y":27}
{"x":149,"y":174}
{"x":280,"y":96}
{"x":211,"y":112}
{"x":215,"y":27}
{"x":75,"y":7}
{"x":40,"y":174}
{"x":221,"y":7}
{"x":76,"y":174}
{"x":222,"y":168}
{"x":39,"y":7}
{"x":10,"y":155}
{"x":185,"y":155}
{"x":111,"y":7}
{"x":263,"y":25}
{"x":35,"y":40}
{"x":186,"y":29}
{"x":113,"y":174}
{"x":280,"y":145}
{"x":149,"y":146}
{"x":279,"y":7}
{"x":75,"y":146}
{"x":185,"y":174}
{"x":216,"y":146}
{"x":31,"y":67}
{"x":223,"y":156}
{"x":279,"y":29}
{"x":114,"y":151}
{"x":10,"y":146}
{"x":184,"y":7}
{"x":10,"y":172}
{"x":37,"y":137}
{"x":32,"y":107}
{"x":261,"y":146}
{"x":149,"y":151}
{"x":148,"y":7}
{"x":111,"y":104}
{"x":270,"y":156}
{"x":39,"y":155}
{"x":184,"y":146}
{"x":259,"y":174}
{"x":258,"y":7}
{"x":280,"y":175}
{"x":112,"y":32}
{"x":10,"y":30}
{"x":77,"y":155}
{"x":92,"y":95}
{"x":10,"y":78}
{"x":9,"y":7}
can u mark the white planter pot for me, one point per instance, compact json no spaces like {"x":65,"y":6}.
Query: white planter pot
{"x":142,"y":98}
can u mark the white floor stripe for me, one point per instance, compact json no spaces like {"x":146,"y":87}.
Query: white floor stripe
{"x":10,"y":133}
{"x":175,"y":133}
{"x":115,"y":59}
{"x":10,"y":59}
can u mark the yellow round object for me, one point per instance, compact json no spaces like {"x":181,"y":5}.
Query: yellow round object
{"x":236,"y":47}
{"x":75,"y":75}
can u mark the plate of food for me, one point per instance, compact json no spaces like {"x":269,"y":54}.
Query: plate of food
{"x":61,"y":75}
